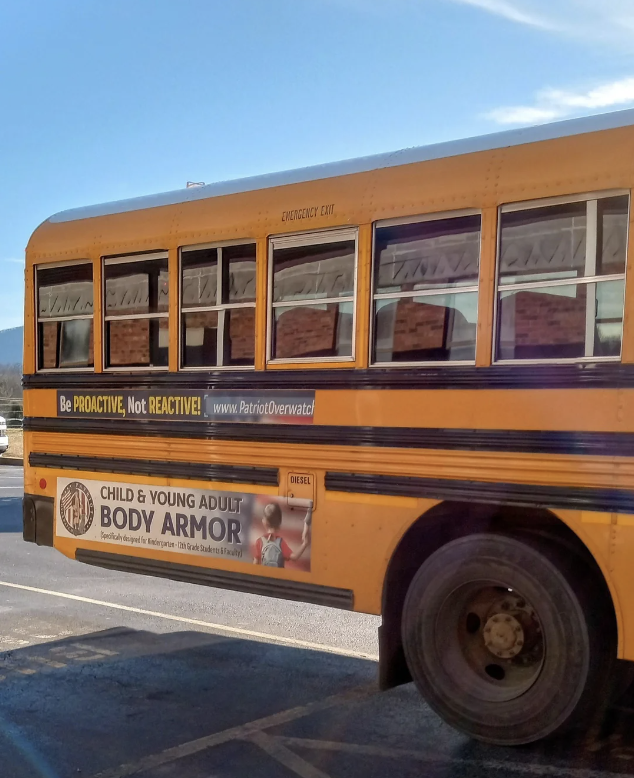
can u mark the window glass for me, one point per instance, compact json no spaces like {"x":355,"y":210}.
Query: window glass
{"x":541,"y":318}
{"x":136,"y":312}
{"x":543,"y":244}
{"x":218,"y":325}
{"x":199,"y":278}
{"x":612,"y":242}
{"x":48,"y":341}
{"x":442,"y":255}
{"x":136,"y":287}
{"x":550,"y":323}
{"x":200,"y":339}
{"x":426,"y":329}
{"x":314,"y":272}
{"x":315,"y":331}
{"x":137,"y":342}
{"x":239,"y":336}
{"x":76,"y":343}
{"x":65,"y":291}
{"x":424,"y":255}
{"x":64,"y":316}
{"x":238,"y":266}
{"x":65,"y":344}
{"x":543,"y":323}
{"x":609,"y":318}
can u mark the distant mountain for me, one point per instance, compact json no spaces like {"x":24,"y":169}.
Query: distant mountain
{"x":11,"y":346}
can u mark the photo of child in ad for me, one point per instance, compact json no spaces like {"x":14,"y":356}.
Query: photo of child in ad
{"x":281,"y":532}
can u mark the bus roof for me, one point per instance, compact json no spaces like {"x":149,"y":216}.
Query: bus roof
{"x":498,"y":140}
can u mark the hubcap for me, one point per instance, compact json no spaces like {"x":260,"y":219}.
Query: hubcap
{"x":503,"y":636}
{"x":496,"y":648}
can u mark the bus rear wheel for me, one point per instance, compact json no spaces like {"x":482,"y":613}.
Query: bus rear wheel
{"x":505,"y":639}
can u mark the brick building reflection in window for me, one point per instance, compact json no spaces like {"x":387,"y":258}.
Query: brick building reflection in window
{"x":426,"y":290}
{"x":312,"y":288}
{"x":218,"y":306}
{"x":561,"y":277}
{"x":65,"y":317}
{"x":136,"y":308}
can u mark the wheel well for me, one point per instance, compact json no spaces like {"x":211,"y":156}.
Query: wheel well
{"x":448,"y":521}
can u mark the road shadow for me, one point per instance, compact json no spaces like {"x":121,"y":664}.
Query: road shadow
{"x":11,"y":514}
{"x":83,"y":704}
{"x":89,"y":703}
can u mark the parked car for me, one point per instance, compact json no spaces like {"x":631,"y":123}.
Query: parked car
{"x":4,"y":440}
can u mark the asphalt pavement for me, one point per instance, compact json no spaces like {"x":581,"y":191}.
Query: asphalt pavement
{"x":109,"y":674}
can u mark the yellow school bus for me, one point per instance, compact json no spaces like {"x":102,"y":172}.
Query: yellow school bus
{"x":402,"y":385}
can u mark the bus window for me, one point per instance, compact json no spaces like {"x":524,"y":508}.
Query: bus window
{"x":426,"y":290}
{"x":561,"y":278}
{"x":218,"y":306}
{"x":313,"y":281}
{"x":136,"y":311}
{"x":65,"y":317}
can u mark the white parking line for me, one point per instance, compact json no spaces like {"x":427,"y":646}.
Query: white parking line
{"x":285,"y":756}
{"x":49,"y":662}
{"x":507,"y":768}
{"x":248,"y":633}
{"x":240,"y":732}
{"x":103,"y":651}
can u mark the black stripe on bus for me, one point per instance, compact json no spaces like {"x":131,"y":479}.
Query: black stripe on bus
{"x":516,"y":441}
{"x":221,"y":579}
{"x":605,"y":375}
{"x":521,"y":495}
{"x":194,"y":471}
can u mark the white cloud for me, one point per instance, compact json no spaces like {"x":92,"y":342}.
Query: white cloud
{"x":13,"y":260}
{"x":511,"y":11}
{"x":605,"y":96}
{"x":600,"y":21}
{"x":522,"y":114}
{"x":596,"y":22}
{"x":552,"y":104}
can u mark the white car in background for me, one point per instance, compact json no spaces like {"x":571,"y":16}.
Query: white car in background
{"x":4,"y":440}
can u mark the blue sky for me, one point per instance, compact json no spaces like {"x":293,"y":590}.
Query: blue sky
{"x":107,"y":99}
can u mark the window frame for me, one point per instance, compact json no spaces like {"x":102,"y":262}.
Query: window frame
{"x":311,"y":238}
{"x":591,"y":239}
{"x":36,"y":309}
{"x":122,"y":259}
{"x":221,"y":307}
{"x":415,"y":219}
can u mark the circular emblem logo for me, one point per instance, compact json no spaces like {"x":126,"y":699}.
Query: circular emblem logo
{"x":76,"y":508}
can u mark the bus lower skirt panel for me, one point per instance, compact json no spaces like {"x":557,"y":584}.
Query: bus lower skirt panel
{"x":221,"y":579}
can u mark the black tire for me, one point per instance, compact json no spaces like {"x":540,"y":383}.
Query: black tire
{"x":551,"y":614}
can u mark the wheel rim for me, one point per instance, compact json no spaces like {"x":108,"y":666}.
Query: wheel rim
{"x":490,"y":641}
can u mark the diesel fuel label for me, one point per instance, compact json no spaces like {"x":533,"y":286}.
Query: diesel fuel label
{"x":264,"y":407}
